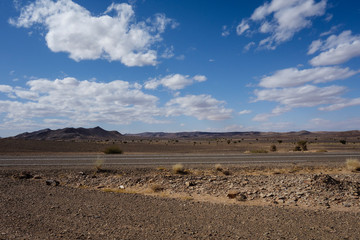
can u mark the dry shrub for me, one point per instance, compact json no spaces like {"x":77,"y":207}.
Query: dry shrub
{"x":353,"y":164}
{"x":179,"y":168}
{"x":218,"y":167}
{"x":157,"y":188}
{"x":99,"y":165}
{"x":273,"y":148}
{"x":258,"y":151}
{"x":113,"y":150}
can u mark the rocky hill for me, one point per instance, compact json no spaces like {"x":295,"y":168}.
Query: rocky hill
{"x":67,"y":134}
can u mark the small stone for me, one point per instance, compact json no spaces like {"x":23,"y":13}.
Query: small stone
{"x":241,"y":197}
{"x":232,"y":194}
{"x":52,"y":182}
{"x":190,"y":184}
{"x":121,"y":187}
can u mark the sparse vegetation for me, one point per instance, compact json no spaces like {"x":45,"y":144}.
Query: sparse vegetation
{"x":321,"y":150}
{"x":113,"y":150}
{"x":99,"y":165}
{"x":157,"y":188}
{"x":273,"y":148}
{"x":179,"y":169}
{"x":353,"y":164}
{"x":301,"y":146}
{"x":342,"y":141}
{"x":258,"y":151}
{"x":218,"y":167}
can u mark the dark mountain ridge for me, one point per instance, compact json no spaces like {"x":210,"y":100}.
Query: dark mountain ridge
{"x":97,"y":133}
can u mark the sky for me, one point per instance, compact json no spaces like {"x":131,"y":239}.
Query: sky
{"x":171,"y":66}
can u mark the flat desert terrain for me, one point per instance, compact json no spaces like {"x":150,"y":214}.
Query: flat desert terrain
{"x":261,"y":200}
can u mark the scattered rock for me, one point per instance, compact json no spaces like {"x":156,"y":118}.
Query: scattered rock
{"x":190,"y":183}
{"x":23,"y":175}
{"x":52,"y":182}
{"x":241,"y":197}
{"x":232,"y":194}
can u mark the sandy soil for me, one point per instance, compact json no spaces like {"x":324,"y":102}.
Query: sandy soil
{"x":200,"y":203}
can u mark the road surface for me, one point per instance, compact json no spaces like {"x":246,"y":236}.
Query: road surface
{"x":170,"y":159}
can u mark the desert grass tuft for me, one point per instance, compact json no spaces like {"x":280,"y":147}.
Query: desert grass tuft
{"x":99,"y":165}
{"x":113,"y":150}
{"x":157,"y":188}
{"x":353,"y":164}
{"x":218,"y":167}
{"x":179,"y":169}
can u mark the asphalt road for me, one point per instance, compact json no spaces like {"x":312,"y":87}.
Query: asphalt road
{"x":136,"y":160}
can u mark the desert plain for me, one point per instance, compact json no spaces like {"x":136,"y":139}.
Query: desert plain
{"x":261,"y":192}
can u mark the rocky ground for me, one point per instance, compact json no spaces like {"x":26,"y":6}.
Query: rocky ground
{"x":216,"y":202}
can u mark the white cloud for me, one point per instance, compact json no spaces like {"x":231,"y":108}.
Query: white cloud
{"x":342,"y":104}
{"x":80,"y":102}
{"x":69,"y":101}
{"x":282,"y":19}
{"x":315,"y":46}
{"x":325,"y":124}
{"x":235,"y":128}
{"x":275,"y":112}
{"x":199,"y":106}
{"x":291,"y":77}
{"x":72,"y":29}
{"x":243,"y":112}
{"x":242,"y":27}
{"x":225,"y":31}
{"x":174,"y":81}
{"x":6,"y":89}
{"x":335,"y":49}
{"x":331,"y":31}
{"x":168,"y":53}
{"x":248,"y":46}
{"x":304,"y":96}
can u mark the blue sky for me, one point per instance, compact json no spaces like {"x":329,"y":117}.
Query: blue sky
{"x":157,"y":65}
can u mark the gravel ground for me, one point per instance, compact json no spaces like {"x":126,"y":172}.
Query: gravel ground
{"x":84,"y":204}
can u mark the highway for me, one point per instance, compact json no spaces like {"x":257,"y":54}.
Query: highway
{"x":170,"y":159}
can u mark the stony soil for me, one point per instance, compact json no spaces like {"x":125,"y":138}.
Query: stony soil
{"x":197,"y":203}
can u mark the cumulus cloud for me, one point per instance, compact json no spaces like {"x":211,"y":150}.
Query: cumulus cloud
{"x":200,"y":106}
{"x":291,"y":77}
{"x":174,"y":81}
{"x":80,"y":102}
{"x":69,"y":101}
{"x":72,"y":29}
{"x":335,"y":49}
{"x":282,"y":19}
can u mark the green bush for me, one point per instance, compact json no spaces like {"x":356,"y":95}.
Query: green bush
{"x":113,"y":150}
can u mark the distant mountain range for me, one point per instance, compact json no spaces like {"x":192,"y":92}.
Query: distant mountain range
{"x":64,"y":134}
{"x":97,"y":133}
